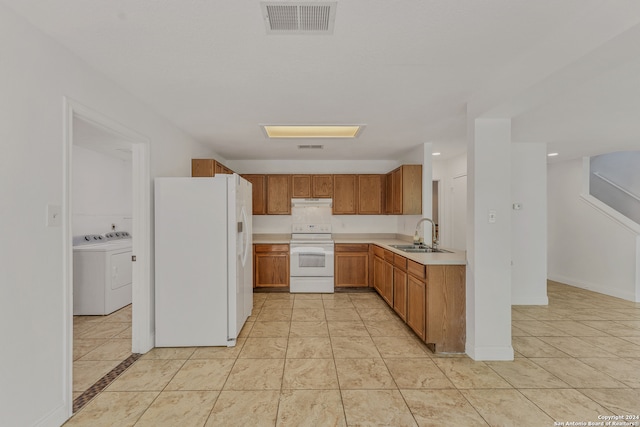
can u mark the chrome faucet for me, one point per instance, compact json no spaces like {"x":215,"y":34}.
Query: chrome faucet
{"x":434,"y":241}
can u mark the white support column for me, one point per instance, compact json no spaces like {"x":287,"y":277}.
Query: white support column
{"x":489,"y":240}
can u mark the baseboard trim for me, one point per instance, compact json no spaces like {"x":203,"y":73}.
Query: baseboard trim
{"x":629,"y":296}
{"x":525,"y":300}
{"x":489,"y":353}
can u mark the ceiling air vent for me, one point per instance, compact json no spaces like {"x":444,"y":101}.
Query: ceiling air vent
{"x":310,"y":147}
{"x":299,"y":18}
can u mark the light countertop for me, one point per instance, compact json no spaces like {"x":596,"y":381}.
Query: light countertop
{"x":383,"y":240}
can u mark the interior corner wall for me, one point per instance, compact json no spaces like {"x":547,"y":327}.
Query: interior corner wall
{"x":36,"y":75}
{"x":529,"y":224}
{"x":587,"y":248}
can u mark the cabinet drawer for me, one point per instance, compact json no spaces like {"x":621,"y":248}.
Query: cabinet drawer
{"x":351,"y":247}
{"x":378,"y":251}
{"x":416,"y":269}
{"x":272,"y":248}
{"x":400,"y":261}
{"x":388,"y":256}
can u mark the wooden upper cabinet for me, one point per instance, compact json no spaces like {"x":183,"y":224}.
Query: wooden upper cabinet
{"x":404,"y":192}
{"x":411,"y":189}
{"x":322,"y":186}
{"x":345,"y":190}
{"x":370,"y":194}
{"x":259,"y":190}
{"x":301,"y":186}
{"x":278,"y":194}
{"x":208,"y":168}
{"x":203,"y":167}
{"x":388,"y":199}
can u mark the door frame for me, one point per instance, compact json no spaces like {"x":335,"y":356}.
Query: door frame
{"x":143,"y":338}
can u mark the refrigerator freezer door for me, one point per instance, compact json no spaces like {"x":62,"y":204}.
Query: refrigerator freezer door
{"x":191,"y":283}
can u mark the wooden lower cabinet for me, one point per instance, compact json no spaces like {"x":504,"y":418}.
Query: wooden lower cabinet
{"x":378,"y":274}
{"x":446,"y":308}
{"x":400,"y":293}
{"x":351,"y":265}
{"x":270,"y":266}
{"x":429,"y":298}
{"x":416,"y":305}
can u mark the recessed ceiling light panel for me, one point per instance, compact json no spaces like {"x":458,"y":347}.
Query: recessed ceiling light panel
{"x":312,"y":131}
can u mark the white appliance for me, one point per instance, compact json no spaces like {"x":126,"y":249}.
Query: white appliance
{"x":311,"y":247}
{"x":102,"y":273}
{"x":204,"y":272}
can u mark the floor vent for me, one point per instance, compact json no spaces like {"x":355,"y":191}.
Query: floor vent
{"x":299,"y":18}
{"x":310,"y":147}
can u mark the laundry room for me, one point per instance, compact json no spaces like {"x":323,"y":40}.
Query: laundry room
{"x":102,"y":247}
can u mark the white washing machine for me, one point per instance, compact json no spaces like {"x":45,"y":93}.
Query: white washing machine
{"x":102,"y":273}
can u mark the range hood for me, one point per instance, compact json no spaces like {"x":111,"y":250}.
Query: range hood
{"x":311,"y":203}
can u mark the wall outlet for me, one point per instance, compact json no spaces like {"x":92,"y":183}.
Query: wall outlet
{"x":517,"y":206}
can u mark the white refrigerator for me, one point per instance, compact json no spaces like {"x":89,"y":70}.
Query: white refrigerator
{"x":203,"y":260}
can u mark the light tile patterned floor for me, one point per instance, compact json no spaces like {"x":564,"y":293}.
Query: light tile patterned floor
{"x":100,"y":343}
{"x":346,"y":359}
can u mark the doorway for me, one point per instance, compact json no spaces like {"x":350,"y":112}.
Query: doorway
{"x":108,"y":136}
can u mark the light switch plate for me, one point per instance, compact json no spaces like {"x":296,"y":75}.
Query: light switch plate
{"x":54,"y":216}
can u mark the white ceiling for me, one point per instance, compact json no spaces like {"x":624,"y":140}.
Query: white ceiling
{"x":404,"y":68}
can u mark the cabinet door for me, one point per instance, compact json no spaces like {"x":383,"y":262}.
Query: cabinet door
{"x":271,"y":265}
{"x":416,"y":305}
{"x":322,"y":186}
{"x":202,"y":167}
{"x":278,"y":194}
{"x":378,"y":275}
{"x":388,"y":199}
{"x":387,"y":294}
{"x":351,"y":269}
{"x":397,"y":192}
{"x":259,"y":186}
{"x":345,"y":188}
{"x":370,"y":189}
{"x":301,"y":186}
{"x":411,"y":194}
{"x":400,"y":293}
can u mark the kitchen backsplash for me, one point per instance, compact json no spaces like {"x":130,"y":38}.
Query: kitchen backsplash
{"x":278,"y":224}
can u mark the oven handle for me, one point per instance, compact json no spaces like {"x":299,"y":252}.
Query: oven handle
{"x":310,"y":250}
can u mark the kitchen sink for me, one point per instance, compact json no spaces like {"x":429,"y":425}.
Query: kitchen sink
{"x":419,"y":249}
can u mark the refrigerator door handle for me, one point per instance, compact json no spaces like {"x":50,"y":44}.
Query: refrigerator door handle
{"x":245,"y":237}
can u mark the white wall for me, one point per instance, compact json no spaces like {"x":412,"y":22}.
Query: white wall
{"x":35,"y":75}
{"x":529,"y":224}
{"x":102,"y":192}
{"x":587,"y":248}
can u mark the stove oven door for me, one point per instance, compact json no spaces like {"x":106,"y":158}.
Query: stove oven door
{"x":311,"y":259}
